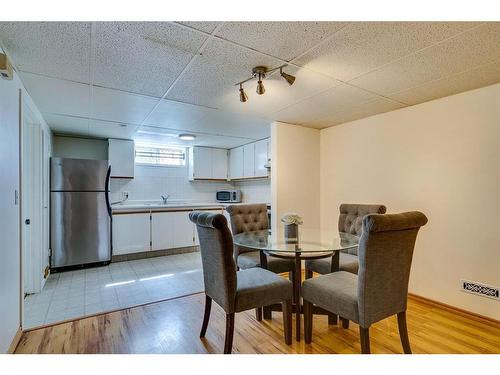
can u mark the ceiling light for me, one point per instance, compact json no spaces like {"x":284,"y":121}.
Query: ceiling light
{"x":288,"y":77}
{"x":243,"y":95}
{"x":187,"y":137}
{"x":260,"y":86}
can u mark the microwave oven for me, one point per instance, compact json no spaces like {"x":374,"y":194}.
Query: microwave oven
{"x":231,"y":196}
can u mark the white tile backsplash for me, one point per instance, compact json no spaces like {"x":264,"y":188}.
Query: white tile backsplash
{"x":150,"y":183}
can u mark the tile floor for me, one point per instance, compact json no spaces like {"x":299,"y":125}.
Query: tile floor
{"x":78,"y":293}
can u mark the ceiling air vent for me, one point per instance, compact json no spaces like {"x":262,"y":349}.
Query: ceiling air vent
{"x":480,"y":289}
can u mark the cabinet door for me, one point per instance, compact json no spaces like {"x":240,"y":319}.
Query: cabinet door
{"x":261,"y":157}
{"x":236,"y":162}
{"x":202,"y":162}
{"x":162,"y":231}
{"x":121,"y":155}
{"x":219,"y":163}
{"x":249,"y":160}
{"x":131,"y":233}
{"x":183,"y":229}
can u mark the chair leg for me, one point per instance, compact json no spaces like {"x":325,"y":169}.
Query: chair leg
{"x":258,"y":314}
{"x":364,"y":337}
{"x":345,"y":323}
{"x":309,"y":273}
{"x":308,"y":321}
{"x":403,"y":332}
{"x":206,"y":316}
{"x":287,"y":320}
{"x":228,"y":344}
{"x":332,"y":319}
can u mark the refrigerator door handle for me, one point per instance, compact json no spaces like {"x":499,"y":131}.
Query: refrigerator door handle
{"x":106,"y":191}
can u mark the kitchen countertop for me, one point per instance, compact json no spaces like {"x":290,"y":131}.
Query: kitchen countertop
{"x":171,"y":206}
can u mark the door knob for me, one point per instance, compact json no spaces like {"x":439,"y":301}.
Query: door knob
{"x":27,"y":221}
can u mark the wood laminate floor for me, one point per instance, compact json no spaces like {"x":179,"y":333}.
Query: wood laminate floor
{"x":173,"y":327}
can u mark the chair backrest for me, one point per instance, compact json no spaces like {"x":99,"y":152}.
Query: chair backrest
{"x":351,"y":218}
{"x":247,"y":218}
{"x":385,"y":254}
{"x":216,"y":247}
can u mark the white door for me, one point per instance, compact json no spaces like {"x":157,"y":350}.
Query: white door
{"x":261,"y":158}
{"x":162,"y":230}
{"x":236,"y":163}
{"x":249,"y":160}
{"x":219,"y":163}
{"x":183,"y":229}
{"x":131,"y":233}
{"x":202,"y":162}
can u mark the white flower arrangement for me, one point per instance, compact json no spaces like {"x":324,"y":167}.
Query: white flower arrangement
{"x":291,"y":218}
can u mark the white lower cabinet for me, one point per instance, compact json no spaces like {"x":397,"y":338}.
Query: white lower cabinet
{"x":162,"y":230}
{"x":183,"y":234}
{"x":131,"y":233}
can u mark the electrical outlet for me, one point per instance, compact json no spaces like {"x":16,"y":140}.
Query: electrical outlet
{"x":125,"y":194}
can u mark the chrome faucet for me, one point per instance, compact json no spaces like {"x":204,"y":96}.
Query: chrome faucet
{"x":165,"y":198}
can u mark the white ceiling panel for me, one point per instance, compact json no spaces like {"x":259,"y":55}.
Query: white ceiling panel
{"x":212,"y":75}
{"x":278,"y":93}
{"x":363,"y":46}
{"x":142,"y":57}
{"x":285,"y":40}
{"x":58,"y":96}
{"x":67,"y":125}
{"x":120,"y":106}
{"x":476,"y":47}
{"x":472,"y":79}
{"x":177,"y":115}
{"x":207,"y":27}
{"x":56,"y":49}
{"x":338,"y":99}
{"x":106,"y":129}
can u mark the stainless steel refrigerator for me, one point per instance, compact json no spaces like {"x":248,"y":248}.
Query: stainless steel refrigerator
{"x":80,"y":217}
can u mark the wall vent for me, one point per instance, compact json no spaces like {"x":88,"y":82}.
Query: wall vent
{"x":479,"y":289}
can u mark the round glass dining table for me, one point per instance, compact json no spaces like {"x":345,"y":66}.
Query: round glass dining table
{"x":309,"y":244}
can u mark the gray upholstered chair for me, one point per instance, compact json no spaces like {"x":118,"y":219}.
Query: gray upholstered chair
{"x":248,"y":218}
{"x":235,"y":291}
{"x":350,"y":221}
{"x":381,"y":287}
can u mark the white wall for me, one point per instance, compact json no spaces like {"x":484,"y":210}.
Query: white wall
{"x":442,"y":158}
{"x":295,"y":173}
{"x":79,"y":148}
{"x":254,"y":191}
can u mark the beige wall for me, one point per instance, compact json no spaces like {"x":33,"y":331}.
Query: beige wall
{"x":442,"y":158}
{"x":295,"y":173}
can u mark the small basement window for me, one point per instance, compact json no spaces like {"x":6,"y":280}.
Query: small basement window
{"x":159,"y":155}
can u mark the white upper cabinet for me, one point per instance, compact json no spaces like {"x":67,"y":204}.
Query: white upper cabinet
{"x":249,"y":160}
{"x":121,"y":155}
{"x":236,"y":163}
{"x":206,"y":163}
{"x":261,"y":158}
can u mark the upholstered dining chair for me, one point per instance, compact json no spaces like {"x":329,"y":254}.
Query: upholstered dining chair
{"x":248,"y":218}
{"x":235,"y":291}
{"x":350,"y":221}
{"x":381,"y":287}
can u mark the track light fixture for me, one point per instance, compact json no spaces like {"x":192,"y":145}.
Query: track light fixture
{"x":260,"y":73}
{"x":243,"y":94}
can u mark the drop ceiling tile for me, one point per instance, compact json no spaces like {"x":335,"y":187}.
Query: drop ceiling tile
{"x":177,"y":115}
{"x":142,"y":57}
{"x":466,"y":51}
{"x":363,"y":46}
{"x":61,"y":124}
{"x":472,"y":79}
{"x":338,"y":99}
{"x":58,"y":96}
{"x":56,"y":49}
{"x":370,"y":108}
{"x":120,"y":106}
{"x":207,"y":27}
{"x":106,"y":129}
{"x":211,"y":77}
{"x":278,"y":93}
{"x":285,"y":40}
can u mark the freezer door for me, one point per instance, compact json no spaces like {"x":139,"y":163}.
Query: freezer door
{"x":80,"y":228}
{"x":78,"y":174}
